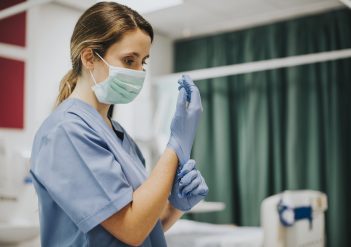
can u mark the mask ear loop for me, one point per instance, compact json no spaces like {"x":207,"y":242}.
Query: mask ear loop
{"x":102,"y":59}
{"x":92,"y":76}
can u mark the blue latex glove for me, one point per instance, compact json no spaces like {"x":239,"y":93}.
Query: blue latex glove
{"x":186,"y":119}
{"x":189,"y":187}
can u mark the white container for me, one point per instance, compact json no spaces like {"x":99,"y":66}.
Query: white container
{"x":14,"y":169}
{"x":301,"y":232}
{"x":19,"y":216}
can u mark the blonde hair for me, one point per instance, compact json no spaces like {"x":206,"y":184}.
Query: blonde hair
{"x":98,"y":28}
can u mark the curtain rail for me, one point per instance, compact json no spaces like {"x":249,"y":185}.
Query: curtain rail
{"x":251,"y":67}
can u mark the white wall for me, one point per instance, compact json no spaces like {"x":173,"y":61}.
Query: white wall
{"x":49,"y":28}
{"x":49,"y":57}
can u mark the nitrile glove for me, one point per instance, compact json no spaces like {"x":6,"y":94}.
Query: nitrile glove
{"x":189,"y":187}
{"x":186,"y":119}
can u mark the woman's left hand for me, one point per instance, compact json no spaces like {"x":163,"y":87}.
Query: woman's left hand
{"x":189,"y":187}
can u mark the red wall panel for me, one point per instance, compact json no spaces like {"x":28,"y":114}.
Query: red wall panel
{"x":13,"y":28}
{"x":12,"y":31}
{"x":11,"y":93}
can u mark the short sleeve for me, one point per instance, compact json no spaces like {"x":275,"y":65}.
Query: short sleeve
{"x":80,"y":173}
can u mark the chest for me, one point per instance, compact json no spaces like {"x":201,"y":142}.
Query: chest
{"x":127,"y":157}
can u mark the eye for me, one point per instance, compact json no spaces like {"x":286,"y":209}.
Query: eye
{"x":128,"y":61}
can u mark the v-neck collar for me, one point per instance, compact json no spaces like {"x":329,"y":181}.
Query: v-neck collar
{"x":126,"y":145}
{"x":118,"y":128}
{"x":121,"y":150}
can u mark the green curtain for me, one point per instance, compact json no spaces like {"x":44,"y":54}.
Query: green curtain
{"x":265,"y":132}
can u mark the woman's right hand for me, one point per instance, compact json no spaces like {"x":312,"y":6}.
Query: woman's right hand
{"x":189,"y":187}
{"x":186,"y":119}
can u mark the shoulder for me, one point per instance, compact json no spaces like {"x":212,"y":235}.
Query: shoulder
{"x":68,"y":119}
{"x":71,"y":113}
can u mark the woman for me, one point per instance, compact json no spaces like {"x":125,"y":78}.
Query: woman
{"x":89,"y":174}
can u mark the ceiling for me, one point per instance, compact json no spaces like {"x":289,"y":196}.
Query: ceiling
{"x":202,"y":17}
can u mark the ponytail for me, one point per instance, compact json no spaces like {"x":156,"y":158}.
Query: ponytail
{"x":67,"y":85}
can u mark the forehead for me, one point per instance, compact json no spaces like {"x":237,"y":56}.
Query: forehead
{"x":135,"y":41}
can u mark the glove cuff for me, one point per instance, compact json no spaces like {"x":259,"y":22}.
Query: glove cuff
{"x":179,"y":206}
{"x":173,"y":144}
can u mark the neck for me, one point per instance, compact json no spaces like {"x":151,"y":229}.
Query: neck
{"x":84,"y":92}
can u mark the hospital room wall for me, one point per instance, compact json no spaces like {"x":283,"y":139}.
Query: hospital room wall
{"x":47,"y":61}
{"x":46,"y":58}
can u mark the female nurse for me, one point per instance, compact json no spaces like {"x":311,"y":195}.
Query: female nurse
{"x":88,"y":173}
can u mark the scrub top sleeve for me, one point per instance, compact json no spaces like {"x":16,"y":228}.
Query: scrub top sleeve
{"x":82,"y":175}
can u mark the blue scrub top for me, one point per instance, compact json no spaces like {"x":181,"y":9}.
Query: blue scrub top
{"x":83,"y":174}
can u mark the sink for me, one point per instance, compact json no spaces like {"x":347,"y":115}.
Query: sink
{"x":19,"y":221}
{"x":15,"y":232}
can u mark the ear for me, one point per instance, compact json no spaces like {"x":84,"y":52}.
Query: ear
{"x":87,"y":57}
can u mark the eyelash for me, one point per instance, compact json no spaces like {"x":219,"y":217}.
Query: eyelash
{"x":130,"y":62}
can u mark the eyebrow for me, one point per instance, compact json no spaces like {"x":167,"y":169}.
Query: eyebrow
{"x":136,"y":54}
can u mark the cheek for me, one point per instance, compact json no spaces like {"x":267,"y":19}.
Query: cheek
{"x":101,"y":73}
{"x":120,"y":63}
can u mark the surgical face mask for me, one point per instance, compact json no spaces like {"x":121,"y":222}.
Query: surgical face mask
{"x":121,"y":86}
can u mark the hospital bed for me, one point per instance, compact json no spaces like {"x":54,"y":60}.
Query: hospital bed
{"x":294,"y":219}
{"x":185,"y":233}
{"x":288,"y":219}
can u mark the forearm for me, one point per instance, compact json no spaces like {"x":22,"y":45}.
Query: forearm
{"x":170,"y":216}
{"x":150,"y":199}
{"x":134,"y":222}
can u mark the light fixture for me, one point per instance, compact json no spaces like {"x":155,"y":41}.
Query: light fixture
{"x":346,"y":2}
{"x":147,"y":6}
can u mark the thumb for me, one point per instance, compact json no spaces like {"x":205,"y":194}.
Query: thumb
{"x":186,"y":168}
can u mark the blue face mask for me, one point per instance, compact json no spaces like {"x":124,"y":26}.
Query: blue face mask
{"x":121,"y":86}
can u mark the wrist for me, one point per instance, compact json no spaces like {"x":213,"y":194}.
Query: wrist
{"x":171,"y":153}
{"x":174,"y":146}
{"x":179,"y":204}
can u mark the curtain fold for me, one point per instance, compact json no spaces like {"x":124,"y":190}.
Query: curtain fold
{"x":265,"y":132}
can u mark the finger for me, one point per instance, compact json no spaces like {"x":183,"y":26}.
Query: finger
{"x":202,"y":189}
{"x":195,"y":102}
{"x":186,"y":180}
{"x":194,"y":92}
{"x":189,"y":188}
{"x":188,"y":79}
{"x":181,"y":101}
{"x":186,"y":168}
{"x":184,"y":84}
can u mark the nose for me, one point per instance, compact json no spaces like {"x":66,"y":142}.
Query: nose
{"x":141,"y":67}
